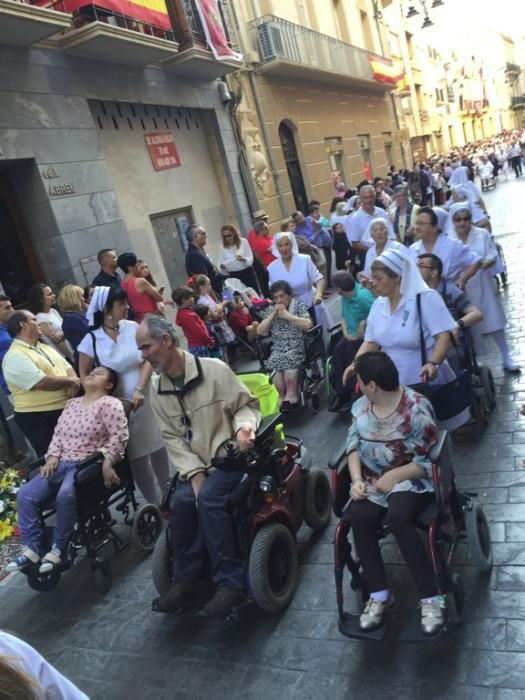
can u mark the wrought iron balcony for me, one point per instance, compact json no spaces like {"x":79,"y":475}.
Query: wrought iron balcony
{"x":195,"y":24}
{"x":518,"y":102}
{"x":289,"y":49}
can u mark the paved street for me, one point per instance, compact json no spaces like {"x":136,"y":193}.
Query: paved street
{"x":114,"y":647}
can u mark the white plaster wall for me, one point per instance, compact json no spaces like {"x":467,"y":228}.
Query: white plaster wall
{"x":142,"y":191}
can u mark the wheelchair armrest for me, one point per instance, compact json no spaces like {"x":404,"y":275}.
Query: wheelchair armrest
{"x":336,"y":459}
{"x":437,"y":451}
{"x":266,"y":429}
{"x":89,"y":461}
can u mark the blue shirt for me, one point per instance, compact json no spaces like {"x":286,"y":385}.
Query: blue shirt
{"x":321,"y":239}
{"x":5,"y":344}
{"x":356,"y":309}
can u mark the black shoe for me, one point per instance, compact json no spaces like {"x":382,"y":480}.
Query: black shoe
{"x":223,"y":602}
{"x":179,"y":597}
{"x":336,"y":403}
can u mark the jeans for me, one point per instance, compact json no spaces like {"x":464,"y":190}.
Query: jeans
{"x":37,"y":491}
{"x":403,"y":509}
{"x":202,"y":532}
{"x":38,"y":427}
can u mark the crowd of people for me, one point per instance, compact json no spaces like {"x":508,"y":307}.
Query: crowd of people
{"x":415,"y":266}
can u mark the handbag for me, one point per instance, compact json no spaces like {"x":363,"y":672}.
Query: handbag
{"x":450,"y":399}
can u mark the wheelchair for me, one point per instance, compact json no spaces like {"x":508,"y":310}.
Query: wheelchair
{"x":279,"y":492}
{"x":94,"y":528}
{"x":452,"y":518}
{"x":311,"y":373}
{"x":502,"y":276}
{"x":335,"y":333}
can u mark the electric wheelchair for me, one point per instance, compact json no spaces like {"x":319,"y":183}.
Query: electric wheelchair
{"x":94,"y":527}
{"x":451,"y":518}
{"x":278,"y":493}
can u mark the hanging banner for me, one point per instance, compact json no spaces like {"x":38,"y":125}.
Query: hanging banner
{"x":152,"y":12}
{"x":214,"y":30}
{"x":384,"y":70}
{"x":162,"y":150}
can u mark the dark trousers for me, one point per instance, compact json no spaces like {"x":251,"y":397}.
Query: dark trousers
{"x":342,"y":250}
{"x":11,"y":447}
{"x":516,"y":164}
{"x":202,"y":533}
{"x":344,"y":353}
{"x":403,"y":509}
{"x":38,"y":427}
{"x":262,"y":275}
{"x":247,"y":277}
{"x":328,"y":256}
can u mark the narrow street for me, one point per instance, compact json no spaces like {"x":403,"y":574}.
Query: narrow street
{"x":114,"y":647}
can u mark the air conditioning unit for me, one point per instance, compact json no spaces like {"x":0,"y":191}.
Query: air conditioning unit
{"x":270,"y":41}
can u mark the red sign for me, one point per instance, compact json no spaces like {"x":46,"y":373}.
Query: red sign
{"x":162,"y":149}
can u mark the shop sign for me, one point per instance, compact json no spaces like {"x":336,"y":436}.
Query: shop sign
{"x":162,"y":150}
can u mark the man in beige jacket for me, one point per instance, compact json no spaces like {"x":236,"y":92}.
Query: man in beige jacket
{"x":201,"y":406}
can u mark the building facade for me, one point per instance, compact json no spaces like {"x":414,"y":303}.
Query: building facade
{"x":113,"y":133}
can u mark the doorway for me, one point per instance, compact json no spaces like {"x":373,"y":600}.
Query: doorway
{"x":170,"y":231}
{"x":19,"y":266}
{"x":293,"y":167}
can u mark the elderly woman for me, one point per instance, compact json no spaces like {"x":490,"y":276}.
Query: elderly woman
{"x":287,"y":321}
{"x":461,"y":184}
{"x":304,"y":278}
{"x":96,"y":422}
{"x":379,"y":233}
{"x":395,"y":324}
{"x":41,"y":301}
{"x":481,"y":289}
{"x":111,"y":342}
{"x":236,"y":257}
{"x":392,"y":432}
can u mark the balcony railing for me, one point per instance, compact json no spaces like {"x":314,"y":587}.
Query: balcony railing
{"x":518,"y":102}
{"x":195,"y":23}
{"x":279,"y":41}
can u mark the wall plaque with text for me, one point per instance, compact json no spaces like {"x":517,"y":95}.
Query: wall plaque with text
{"x":162,"y":150}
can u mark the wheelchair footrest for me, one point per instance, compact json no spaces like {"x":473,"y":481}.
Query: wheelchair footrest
{"x":349,"y":627}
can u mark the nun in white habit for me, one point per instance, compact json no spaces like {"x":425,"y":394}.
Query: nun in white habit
{"x":304,"y":278}
{"x":394,"y":322}
{"x":459,"y":180}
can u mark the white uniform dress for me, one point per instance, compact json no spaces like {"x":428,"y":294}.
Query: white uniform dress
{"x":302,"y":276}
{"x":455,"y":256}
{"x":371,"y":255}
{"x":398,"y":335}
{"x":124,"y":357}
{"x":481,"y":289}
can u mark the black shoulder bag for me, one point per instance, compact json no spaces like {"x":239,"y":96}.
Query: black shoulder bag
{"x":448,"y":399}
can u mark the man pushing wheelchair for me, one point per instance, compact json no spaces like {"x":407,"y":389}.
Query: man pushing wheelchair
{"x":201,"y":407}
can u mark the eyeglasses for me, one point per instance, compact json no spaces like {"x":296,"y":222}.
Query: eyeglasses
{"x":227,"y":235}
{"x":462,"y":218}
{"x":423,"y":223}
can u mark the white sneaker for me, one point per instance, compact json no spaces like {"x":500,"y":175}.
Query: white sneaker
{"x":432,"y":618}
{"x":511,"y":366}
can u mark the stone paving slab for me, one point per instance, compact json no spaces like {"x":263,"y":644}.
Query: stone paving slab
{"x":115,"y":648}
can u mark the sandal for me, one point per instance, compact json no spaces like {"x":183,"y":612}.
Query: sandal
{"x":20,"y":563}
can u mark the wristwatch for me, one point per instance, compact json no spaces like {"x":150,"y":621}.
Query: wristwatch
{"x":435,"y":364}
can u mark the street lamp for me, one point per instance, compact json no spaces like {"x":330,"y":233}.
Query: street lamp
{"x":413,"y":11}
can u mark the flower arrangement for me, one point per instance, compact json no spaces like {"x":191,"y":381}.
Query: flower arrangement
{"x":10,"y":482}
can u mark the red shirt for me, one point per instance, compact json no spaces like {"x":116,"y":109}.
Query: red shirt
{"x":140,"y":302}
{"x":239,"y":321}
{"x":194,"y":327}
{"x":260,"y":245}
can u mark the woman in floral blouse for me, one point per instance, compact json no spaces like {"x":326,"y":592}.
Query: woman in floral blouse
{"x":96,"y":422}
{"x":388,"y":445}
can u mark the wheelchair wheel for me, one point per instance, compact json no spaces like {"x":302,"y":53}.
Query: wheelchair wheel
{"x":480,"y":415}
{"x":456,"y":600}
{"x":489,"y":389}
{"x":315,"y":402}
{"x":317,"y":500}
{"x":43,"y":583}
{"x":161,"y":565}
{"x":103,"y":577}
{"x":146,"y":528}
{"x":478,"y":537}
{"x":273,"y":567}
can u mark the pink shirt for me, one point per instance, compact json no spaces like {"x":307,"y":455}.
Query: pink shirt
{"x":84,"y":429}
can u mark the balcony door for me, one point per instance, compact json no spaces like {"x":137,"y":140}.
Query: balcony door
{"x":293,"y":167}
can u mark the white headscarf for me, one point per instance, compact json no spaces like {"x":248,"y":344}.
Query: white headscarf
{"x":457,"y":206}
{"x":377,"y":220}
{"x":278,"y":237}
{"x":459,"y":176}
{"x":401,"y":262}
{"x":442,"y":216}
{"x":97,"y":303}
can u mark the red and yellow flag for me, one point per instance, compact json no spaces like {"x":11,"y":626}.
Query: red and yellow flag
{"x":149,"y":11}
{"x":385,"y":71}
